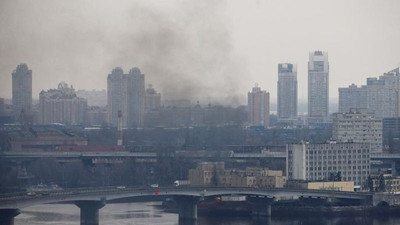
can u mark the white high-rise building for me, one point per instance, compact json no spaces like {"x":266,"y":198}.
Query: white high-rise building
{"x":61,"y":105}
{"x":380,"y":96}
{"x":21,"y":89}
{"x":287,"y":91}
{"x":258,"y":106}
{"x":126,"y":93}
{"x":318,"y":86}
{"x":359,"y":126}
{"x":318,"y":162}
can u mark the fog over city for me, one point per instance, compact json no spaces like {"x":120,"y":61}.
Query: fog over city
{"x":212,"y":51}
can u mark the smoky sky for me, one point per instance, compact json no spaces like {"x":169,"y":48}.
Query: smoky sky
{"x":212,"y":51}
{"x":185,"y":51}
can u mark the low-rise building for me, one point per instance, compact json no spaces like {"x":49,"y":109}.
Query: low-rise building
{"x":42,"y":138}
{"x":322,"y":185}
{"x":318,"y":162}
{"x":391,"y":183}
{"x":214,"y":174}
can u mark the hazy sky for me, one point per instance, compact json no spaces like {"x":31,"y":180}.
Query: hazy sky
{"x":209,"y":50}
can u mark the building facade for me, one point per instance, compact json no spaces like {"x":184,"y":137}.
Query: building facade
{"x":287,"y":91}
{"x":152,"y":99}
{"x":318,"y":86}
{"x":378,"y":96}
{"x":352,"y":97}
{"x":318,"y":162}
{"x":215,"y":174}
{"x":359,"y":126}
{"x":126,"y":93}
{"x":61,"y":105}
{"x":258,"y":106}
{"x":21,"y":90}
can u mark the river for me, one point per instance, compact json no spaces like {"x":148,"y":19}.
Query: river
{"x":150,"y":214}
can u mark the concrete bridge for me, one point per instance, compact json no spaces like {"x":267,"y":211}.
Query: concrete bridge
{"x":90,"y":200}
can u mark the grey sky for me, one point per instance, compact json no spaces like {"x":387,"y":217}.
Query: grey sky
{"x":207,"y":50}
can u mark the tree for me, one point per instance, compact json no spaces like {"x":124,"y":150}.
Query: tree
{"x":382,"y":186}
{"x":370,"y":184}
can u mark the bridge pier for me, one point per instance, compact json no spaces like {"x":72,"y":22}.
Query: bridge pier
{"x":90,"y":211}
{"x":7,"y":216}
{"x":261,"y":206}
{"x":187,"y":206}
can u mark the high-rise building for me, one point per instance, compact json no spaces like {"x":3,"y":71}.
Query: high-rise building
{"x":61,"y":105}
{"x":258,"y":106}
{"x":379,"y":96}
{"x":352,"y":97}
{"x":287,"y":91}
{"x":318,"y":86}
{"x":126,"y":93}
{"x":153,"y":99}
{"x":318,"y":162}
{"x":21,"y":90}
{"x":357,"y":125}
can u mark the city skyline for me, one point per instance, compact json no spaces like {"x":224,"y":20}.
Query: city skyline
{"x":207,"y":56}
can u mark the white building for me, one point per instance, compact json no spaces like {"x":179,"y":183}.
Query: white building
{"x":61,"y":105}
{"x":317,"y":162}
{"x":318,"y":86}
{"x":287,"y":91}
{"x":359,"y":126}
{"x":379,"y":96}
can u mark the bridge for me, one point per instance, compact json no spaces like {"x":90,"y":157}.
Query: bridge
{"x":90,"y":200}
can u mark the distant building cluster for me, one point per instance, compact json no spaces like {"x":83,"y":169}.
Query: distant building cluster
{"x":215,"y":174}
{"x":378,"y":96}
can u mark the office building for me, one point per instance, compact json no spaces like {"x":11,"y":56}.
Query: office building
{"x":378,"y":96}
{"x":126,"y":93}
{"x":319,"y":162}
{"x":258,"y":106}
{"x":359,"y":126}
{"x":61,"y":105}
{"x":21,"y":90}
{"x":318,"y":86}
{"x":287,"y":91}
{"x":152,"y":99}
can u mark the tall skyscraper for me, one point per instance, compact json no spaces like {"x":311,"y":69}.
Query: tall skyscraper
{"x":126,"y":93}
{"x":258,"y":103}
{"x":318,"y":86}
{"x":21,"y":90}
{"x":287,"y":91}
{"x":61,"y":105}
